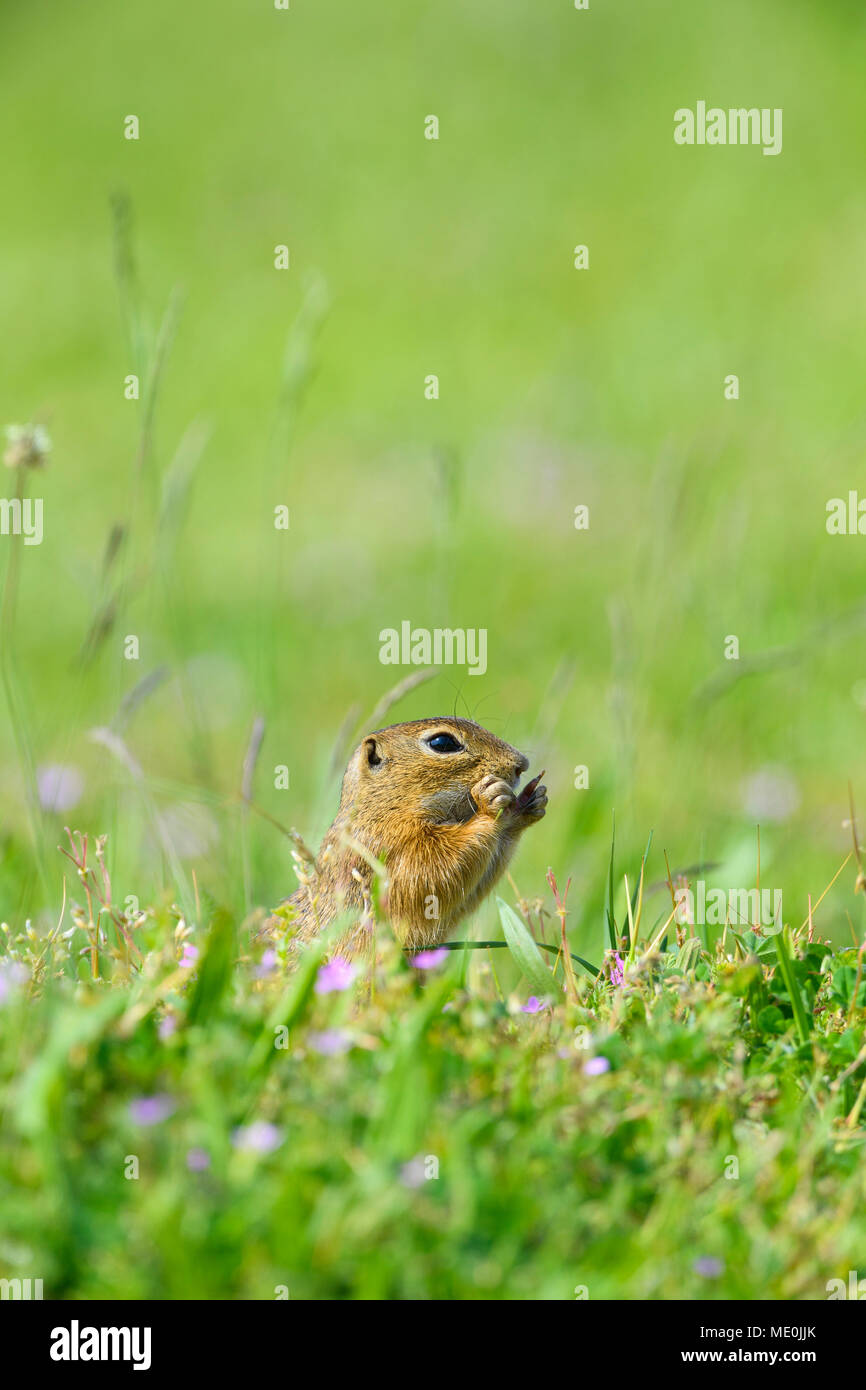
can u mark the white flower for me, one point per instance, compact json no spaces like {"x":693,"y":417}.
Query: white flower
{"x":28,"y":446}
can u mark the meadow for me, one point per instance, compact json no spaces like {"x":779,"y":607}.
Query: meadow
{"x":245,"y":480}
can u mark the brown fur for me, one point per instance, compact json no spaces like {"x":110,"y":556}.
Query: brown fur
{"x":445,"y":825}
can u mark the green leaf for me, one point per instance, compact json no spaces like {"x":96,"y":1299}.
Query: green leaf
{"x":215,"y":973}
{"x":786,"y":969}
{"x":740,"y":980}
{"x":525,"y":951}
{"x":687,"y":955}
{"x":771,"y":1019}
{"x":844,"y":980}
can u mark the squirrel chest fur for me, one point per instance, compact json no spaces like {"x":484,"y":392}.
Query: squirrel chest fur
{"x":436,"y":801}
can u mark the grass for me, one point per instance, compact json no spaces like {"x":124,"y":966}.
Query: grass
{"x":198,"y":675}
{"x":185,"y":1119}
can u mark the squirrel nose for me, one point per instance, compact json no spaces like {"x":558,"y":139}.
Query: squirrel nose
{"x":521,"y":764}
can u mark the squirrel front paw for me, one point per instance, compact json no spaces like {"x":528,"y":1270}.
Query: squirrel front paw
{"x":535,"y":805}
{"x":531,"y":804}
{"x":491,"y":795}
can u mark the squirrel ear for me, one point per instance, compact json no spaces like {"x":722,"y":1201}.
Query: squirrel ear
{"x":371,"y":752}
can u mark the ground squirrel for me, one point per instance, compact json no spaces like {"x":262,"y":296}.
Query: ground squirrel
{"x":436,"y":801}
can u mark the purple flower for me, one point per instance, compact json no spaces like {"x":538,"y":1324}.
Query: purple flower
{"x":336,"y":975}
{"x":533,"y":1005}
{"x":771,"y":794}
{"x":412,"y":1173}
{"x":151,"y":1110}
{"x":708,"y":1267}
{"x":596,"y":1066}
{"x":266,"y":964}
{"x":12,"y":973}
{"x":259,"y":1137}
{"x":617,"y":970}
{"x":59,"y":787}
{"x":189,"y":957}
{"x":197,"y":1160}
{"x":330,"y":1043}
{"x":166,"y":1026}
{"x":428,"y":960}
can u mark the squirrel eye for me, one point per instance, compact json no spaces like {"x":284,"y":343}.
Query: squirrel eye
{"x":444,"y":743}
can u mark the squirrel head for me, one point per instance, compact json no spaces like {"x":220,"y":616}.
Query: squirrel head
{"x":425,"y":769}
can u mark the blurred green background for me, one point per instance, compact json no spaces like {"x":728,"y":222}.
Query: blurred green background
{"x":557,"y":387}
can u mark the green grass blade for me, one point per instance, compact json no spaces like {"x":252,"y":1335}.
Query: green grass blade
{"x":787,"y":970}
{"x":608,"y":892}
{"x":215,"y":972}
{"x":635,"y":894}
{"x":593,"y":970}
